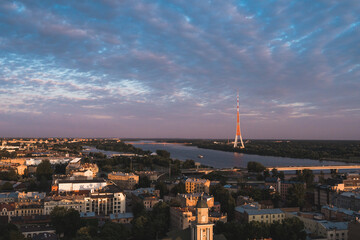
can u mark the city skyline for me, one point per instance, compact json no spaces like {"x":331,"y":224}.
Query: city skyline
{"x":154,"y":69}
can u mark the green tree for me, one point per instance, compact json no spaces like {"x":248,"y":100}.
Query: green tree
{"x":144,"y":182}
{"x":163,"y":153}
{"x":288,"y":229}
{"x":266,"y":173}
{"x":296,"y":195}
{"x":139,"y":231}
{"x":225,"y":199}
{"x":7,"y":187}
{"x":189,"y":163}
{"x":44,"y":170}
{"x":138,"y":209}
{"x":114,"y":231}
{"x":84,"y":233}
{"x":66,"y":221}
{"x":178,"y":188}
{"x":162,"y":187}
{"x":160,"y":219}
{"x":255,"y":167}
{"x":9,"y":231}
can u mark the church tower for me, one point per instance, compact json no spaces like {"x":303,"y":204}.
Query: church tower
{"x":202,"y":229}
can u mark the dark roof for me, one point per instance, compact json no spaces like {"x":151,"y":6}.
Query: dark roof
{"x":201,"y":203}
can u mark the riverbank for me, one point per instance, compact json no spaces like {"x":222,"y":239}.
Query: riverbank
{"x":338,"y":151}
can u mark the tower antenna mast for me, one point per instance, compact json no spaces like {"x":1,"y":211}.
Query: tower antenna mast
{"x":238,"y":132}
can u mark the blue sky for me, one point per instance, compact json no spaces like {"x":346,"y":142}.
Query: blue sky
{"x":172,"y":68}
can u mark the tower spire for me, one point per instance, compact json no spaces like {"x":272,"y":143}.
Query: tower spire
{"x":238,"y":132}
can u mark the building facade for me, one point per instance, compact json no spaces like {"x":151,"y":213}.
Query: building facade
{"x":197,"y":185}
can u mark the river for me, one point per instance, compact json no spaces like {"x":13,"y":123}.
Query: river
{"x":221,"y":159}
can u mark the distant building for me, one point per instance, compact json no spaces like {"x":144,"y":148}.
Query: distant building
{"x":122,"y":217}
{"x":36,"y":231}
{"x":72,"y":185}
{"x":109,"y":200}
{"x":191,"y":199}
{"x":352,"y":182}
{"x":124,"y":180}
{"x":72,"y":201}
{"x":322,"y":229}
{"x":249,"y":213}
{"x":339,"y":214}
{"x":75,"y":166}
{"x":181,"y":218}
{"x":323,"y":195}
{"x":281,"y":186}
{"x":7,"y":209}
{"x":197,"y":185}
{"x":152,"y":175}
{"x":29,"y":208}
{"x":347,"y":200}
{"x":8,"y":197}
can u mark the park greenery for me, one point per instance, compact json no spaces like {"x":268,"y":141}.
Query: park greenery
{"x":288,"y":229}
{"x":10,"y":231}
{"x":145,"y":225}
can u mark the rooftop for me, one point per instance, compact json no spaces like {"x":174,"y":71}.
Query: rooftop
{"x":121,"y":215}
{"x":334,"y":225}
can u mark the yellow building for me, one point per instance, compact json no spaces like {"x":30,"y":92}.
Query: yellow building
{"x":124,"y":180}
{"x":249,"y":213}
{"x":197,"y":185}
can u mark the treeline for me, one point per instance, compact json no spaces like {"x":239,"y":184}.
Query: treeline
{"x":288,"y":229}
{"x":348,"y":151}
{"x":120,"y":147}
{"x":145,"y":225}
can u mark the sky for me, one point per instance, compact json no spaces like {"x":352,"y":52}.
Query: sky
{"x":172,"y":69}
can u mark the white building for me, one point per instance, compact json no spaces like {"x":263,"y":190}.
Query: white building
{"x":109,"y":200}
{"x":68,"y":185}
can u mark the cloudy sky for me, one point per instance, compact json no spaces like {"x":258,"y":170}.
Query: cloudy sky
{"x":133,"y":68}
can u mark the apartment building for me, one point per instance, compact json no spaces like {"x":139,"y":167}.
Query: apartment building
{"x":197,"y":185}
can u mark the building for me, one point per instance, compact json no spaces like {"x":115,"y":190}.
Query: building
{"x":122,"y":217}
{"x":249,"y":213}
{"x":181,"y":218}
{"x":320,"y":228}
{"x":33,"y":231}
{"x":124,"y":180}
{"x":7,"y":209}
{"x":197,"y":185}
{"x":72,"y":185}
{"x":71,"y":201}
{"x":73,"y":165}
{"x":202,"y":229}
{"x":152,"y":175}
{"x":339,"y":214}
{"x":351,"y":182}
{"x":109,"y":200}
{"x":347,"y":200}
{"x":323,"y":195}
{"x":8,"y":197}
{"x":191,"y":199}
{"x":29,"y":208}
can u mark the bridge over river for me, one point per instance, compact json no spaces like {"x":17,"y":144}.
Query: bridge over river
{"x":330,"y":167}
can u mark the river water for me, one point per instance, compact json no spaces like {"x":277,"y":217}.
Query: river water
{"x":221,"y":159}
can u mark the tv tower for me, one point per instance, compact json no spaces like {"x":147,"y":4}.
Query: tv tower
{"x":238,"y":132}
